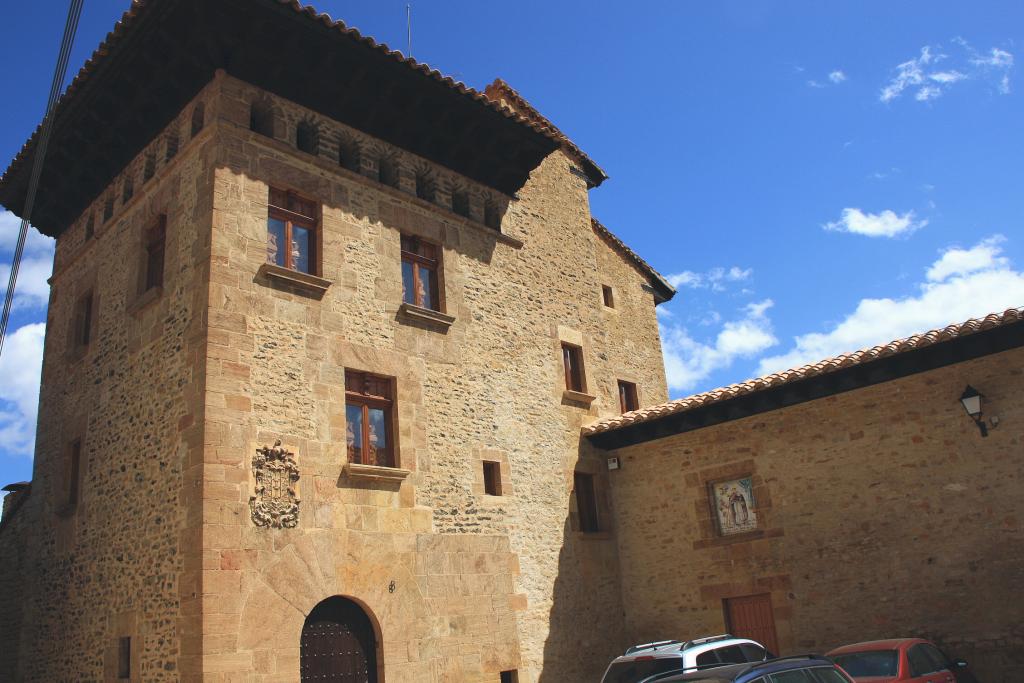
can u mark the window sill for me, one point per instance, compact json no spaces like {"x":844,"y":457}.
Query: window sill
{"x":143,"y":300}
{"x":303,"y":282}
{"x":426,"y":315}
{"x":362,"y":472}
{"x":578,"y":397}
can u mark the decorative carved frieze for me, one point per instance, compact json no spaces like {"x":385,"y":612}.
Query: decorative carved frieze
{"x":275,"y":503}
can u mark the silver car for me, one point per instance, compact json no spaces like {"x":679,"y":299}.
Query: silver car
{"x":641,"y":661}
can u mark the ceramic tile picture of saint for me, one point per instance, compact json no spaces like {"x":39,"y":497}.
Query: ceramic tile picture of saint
{"x":734,"y":505}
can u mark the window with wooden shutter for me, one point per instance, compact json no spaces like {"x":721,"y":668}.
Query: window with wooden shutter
{"x":369,"y":405}
{"x":572,"y":361}
{"x":628,"y":396}
{"x":292,"y":232}
{"x":421,"y":282}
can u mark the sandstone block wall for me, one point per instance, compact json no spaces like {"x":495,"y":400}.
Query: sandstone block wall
{"x":483,"y":583}
{"x":111,"y":566}
{"x":882,"y":512}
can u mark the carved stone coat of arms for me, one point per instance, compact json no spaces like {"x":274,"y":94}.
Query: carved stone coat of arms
{"x":275,"y":503}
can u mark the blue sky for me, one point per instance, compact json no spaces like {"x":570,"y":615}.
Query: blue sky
{"x":816,"y":177}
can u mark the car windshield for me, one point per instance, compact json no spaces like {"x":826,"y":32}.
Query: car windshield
{"x":869,"y":663}
{"x":639,"y":669}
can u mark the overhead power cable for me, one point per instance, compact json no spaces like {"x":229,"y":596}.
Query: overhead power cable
{"x":59,"y":72}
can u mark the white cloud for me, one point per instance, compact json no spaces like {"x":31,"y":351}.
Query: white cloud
{"x":837,"y":76}
{"x":983,"y":256}
{"x":927,"y":83}
{"x":32,"y":289}
{"x":714,"y":278}
{"x":688,"y":361}
{"x":20,"y":365}
{"x":834,"y":77}
{"x":885,"y":224}
{"x":961,"y":284}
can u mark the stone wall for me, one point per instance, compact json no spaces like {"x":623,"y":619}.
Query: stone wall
{"x":110,"y":565}
{"x":482,"y":583}
{"x":882,"y":513}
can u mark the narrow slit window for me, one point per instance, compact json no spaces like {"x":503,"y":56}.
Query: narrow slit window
{"x":426,"y":189}
{"x":291,"y":232}
{"x":156,"y":237}
{"x":460,"y":203}
{"x":261,"y":119}
{"x":492,"y":478}
{"x":124,"y":658}
{"x":128,"y":191}
{"x":82,"y":323}
{"x":572,"y":360}
{"x":387,"y":171}
{"x":74,"y":473}
{"x":369,"y":433}
{"x":628,"y":396}
{"x":149,"y":168}
{"x":608,"y":296}
{"x":420,"y":279}
{"x":198,"y":119}
{"x":586,"y":502}
{"x":307,"y":138}
{"x":90,"y":227}
{"x":492,"y":216}
{"x":349,"y":154}
{"x":171,"y":150}
{"x":108,"y":209}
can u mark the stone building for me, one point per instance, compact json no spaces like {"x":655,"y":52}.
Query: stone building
{"x":313,"y":311}
{"x":849,"y":500}
{"x":336,"y":359}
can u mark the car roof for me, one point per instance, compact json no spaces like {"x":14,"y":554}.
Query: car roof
{"x":730,"y":672}
{"x":676,"y":648}
{"x":890,"y":644}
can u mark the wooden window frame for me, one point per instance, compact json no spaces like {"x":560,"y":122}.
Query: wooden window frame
{"x":492,"y":477}
{"x":154,"y":253}
{"x":365,"y":400}
{"x":629,"y":397}
{"x":291,"y":219}
{"x":572,"y":364}
{"x":433,"y":265}
{"x":587,"y":515}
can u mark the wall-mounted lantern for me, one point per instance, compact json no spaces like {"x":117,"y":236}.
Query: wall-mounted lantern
{"x":971,"y":400}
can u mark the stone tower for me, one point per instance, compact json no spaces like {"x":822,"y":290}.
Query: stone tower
{"x":324,"y":327}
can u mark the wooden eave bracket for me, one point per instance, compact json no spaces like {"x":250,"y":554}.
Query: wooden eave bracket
{"x":304,"y":282}
{"x":375,"y":472}
{"x":426,"y":315}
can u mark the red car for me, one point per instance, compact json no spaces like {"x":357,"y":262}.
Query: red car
{"x":913,"y":660}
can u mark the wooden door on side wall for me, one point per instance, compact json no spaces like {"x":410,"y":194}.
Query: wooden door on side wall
{"x":751,"y":617}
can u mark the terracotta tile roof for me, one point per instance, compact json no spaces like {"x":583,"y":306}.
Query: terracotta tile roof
{"x":665,"y":290}
{"x":138,"y":8}
{"x":500,"y":90}
{"x":1008,"y":317}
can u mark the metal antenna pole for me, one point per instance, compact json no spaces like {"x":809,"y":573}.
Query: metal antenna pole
{"x":59,"y":72}
{"x":408,"y":27}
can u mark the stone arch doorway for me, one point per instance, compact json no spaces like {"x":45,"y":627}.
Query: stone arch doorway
{"x":338,"y":643}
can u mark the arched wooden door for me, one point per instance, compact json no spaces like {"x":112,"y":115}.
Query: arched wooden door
{"x":338,"y":644}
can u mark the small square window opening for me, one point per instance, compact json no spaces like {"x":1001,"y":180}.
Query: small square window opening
{"x":608,"y":296}
{"x":509,"y":676}
{"x":492,"y":478}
